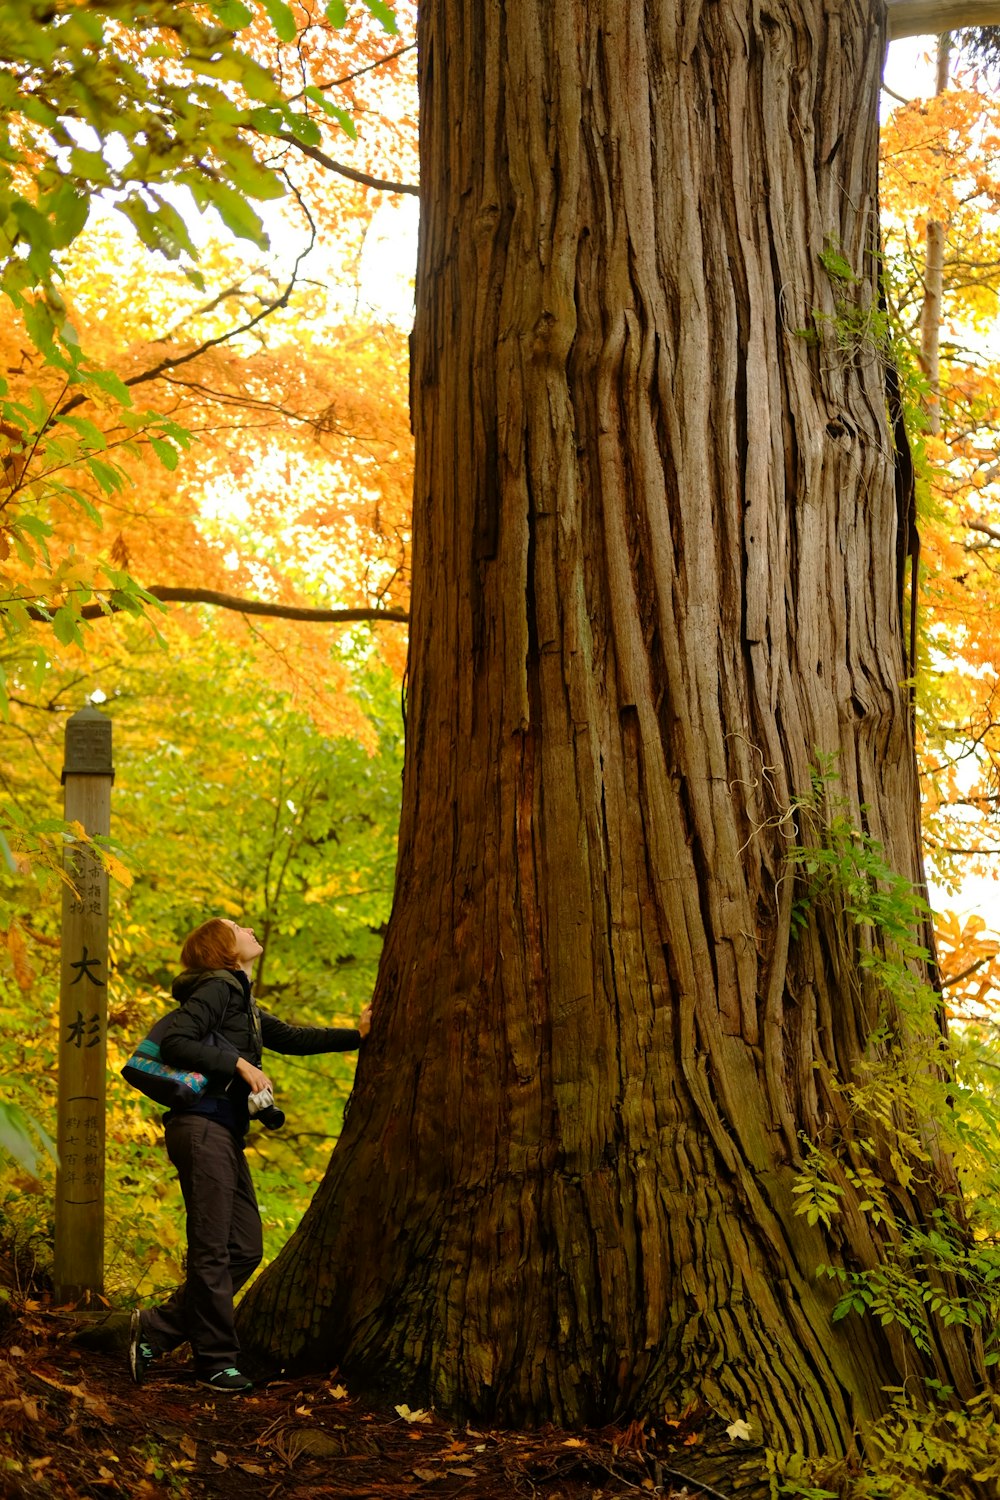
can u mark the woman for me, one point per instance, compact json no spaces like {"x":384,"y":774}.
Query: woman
{"x":219,"y":1030}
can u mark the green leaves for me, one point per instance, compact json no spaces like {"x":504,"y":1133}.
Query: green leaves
{"x":158,"y":224}
{"x":165,"y":452}
{"x":383,"y":15}
{"x":336,"y":14}
{"x":235,"y":212}
{"x":16,"y":1127}
{"x":281,"y":19}
{"x":835,"y":263}
{"x":233,"y":14}
{"x":333,"y":110}
{"x":171,"y":86}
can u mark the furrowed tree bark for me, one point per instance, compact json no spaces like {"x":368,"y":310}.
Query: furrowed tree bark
{"x":653,"y":576}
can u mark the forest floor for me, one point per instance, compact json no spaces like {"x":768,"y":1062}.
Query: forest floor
{"x":73,"y":1425}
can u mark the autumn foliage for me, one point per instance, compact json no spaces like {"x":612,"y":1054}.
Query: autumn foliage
{"x":204,"y":400}
{"x":185,"y":409}
{"x":941,"y":164}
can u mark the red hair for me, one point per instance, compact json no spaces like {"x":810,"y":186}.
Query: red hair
{"x":210,"y":946}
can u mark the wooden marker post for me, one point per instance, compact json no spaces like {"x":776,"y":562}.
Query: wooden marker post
{"x":83,"y":1017}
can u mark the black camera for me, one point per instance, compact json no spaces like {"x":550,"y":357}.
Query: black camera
{"x":263,"y":1108}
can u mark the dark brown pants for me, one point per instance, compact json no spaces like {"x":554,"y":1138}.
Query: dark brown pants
{"x":224,"y":1243}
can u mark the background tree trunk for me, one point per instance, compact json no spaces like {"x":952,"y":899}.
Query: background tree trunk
{"x":654,"y":574}
{"x":930,"y":316}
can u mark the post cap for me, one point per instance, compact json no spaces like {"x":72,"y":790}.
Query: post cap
{"x":88,"y":744}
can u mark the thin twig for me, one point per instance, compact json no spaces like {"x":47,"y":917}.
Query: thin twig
{"x":172,"y":362}
{"x":336,"y":83}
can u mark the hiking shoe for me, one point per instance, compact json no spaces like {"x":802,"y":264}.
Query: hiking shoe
{"x":140,"y":1351}
{"x":230,"y":1382}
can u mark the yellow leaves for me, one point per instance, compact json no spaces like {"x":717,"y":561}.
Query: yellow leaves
{"x":413,"y":1416}
{"x":978,"y":303}
{"x":115,"y":868}
{"x":941,"y":160}
{"x":348,"y":883}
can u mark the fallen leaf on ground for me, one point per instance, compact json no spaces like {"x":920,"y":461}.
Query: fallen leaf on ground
{"x":91,"y":1402}
{"x":413,"y":1416}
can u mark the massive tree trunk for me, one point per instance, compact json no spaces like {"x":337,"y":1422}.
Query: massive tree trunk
{"x":655,"y":573}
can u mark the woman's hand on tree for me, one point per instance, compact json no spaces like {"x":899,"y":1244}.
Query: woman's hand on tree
{"x":365,"y":1021}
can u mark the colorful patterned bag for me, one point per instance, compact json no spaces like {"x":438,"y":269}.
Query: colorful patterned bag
{"x":171,"y":1087}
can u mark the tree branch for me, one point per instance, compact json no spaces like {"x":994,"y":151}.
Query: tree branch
{"x":954,"y":979}
{"x":338,"y":166}
{"x":336,"y":83}
{"x":931,"y":17}
{"x":170,"y":595}
{"x":172,"y":362}
{"x":987,"y":530}
{"x":243,"y":606}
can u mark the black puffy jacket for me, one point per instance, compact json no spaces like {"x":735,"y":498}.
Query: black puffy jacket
{"x":220,"y":1001}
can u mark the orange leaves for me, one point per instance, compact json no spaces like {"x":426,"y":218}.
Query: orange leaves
{"x":941,"y":161}
{"x":297,"y":490}
{"x":14,"y":941}
{"x":940,"y":156}
{"x":298,"y":487}
{"x":969,"y":958}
